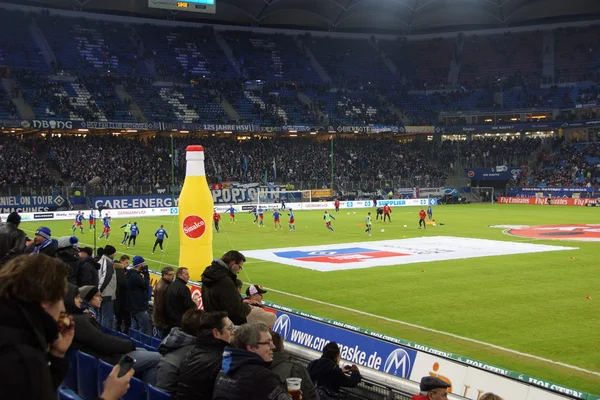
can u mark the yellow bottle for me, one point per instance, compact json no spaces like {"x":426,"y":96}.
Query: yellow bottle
{"x":195,"y":216}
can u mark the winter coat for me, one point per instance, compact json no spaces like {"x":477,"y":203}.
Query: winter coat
{"x":122,"y":292}
{"x":107,"y":278}
{"x":69,"y":255}
{"x":48,"y":248}
{"x":89,"y":337}
{"x":12,"y":242}
{"x":220,"y":294}
{"x":159,"y":308}
{"x":245,"y":375}
{"x":137,"y":286}
{"x":88,"y":272}
{"x":325,"y":372}
{"x":173,"y":349}
{"x":178,"y":301}
{"x":284,"y":367}
{"x":200,"y":368}
{"x":28,"y":370}
{"x":259,"y":314}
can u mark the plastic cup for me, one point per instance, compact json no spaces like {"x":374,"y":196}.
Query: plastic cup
{"x":293,"y":387}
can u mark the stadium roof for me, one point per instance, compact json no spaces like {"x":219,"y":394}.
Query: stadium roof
{"x":390,"y":16}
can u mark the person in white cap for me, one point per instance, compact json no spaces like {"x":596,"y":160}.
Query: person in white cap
{"x":255,"y":293}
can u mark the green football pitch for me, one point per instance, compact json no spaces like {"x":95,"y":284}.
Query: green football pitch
{"x":528,"y":312}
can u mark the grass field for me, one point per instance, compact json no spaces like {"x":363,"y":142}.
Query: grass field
{"x":533,"y":303}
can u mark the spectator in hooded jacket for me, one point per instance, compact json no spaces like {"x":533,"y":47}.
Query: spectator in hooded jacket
{"x":159,"y":316}
{"x":12,"y":239}
{"x":175,"y":347}
{"x":88,"y":270}
{"x":219,"y":292}
{"x":285,"y":367}
{"x":90,"y":339}
{"x":69,"y":253}
{"x":245,"y":370}
{"x":138,"y":284}
{"x":42,"y":243}
{"x":108,"y":286}
{"x":122,"y":313}
{"x":178,"y":298}
{"x":32,"y":341}
{"x":432,"y":388}
{"x":258,"y":313}
{"x":326,"y":373}
{"x":202,"y":364}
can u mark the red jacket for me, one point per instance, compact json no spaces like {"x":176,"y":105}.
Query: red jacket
{"x":422,"y":214}
{"x":387,"y":209}
{"x":216,"y":217}
{"x":337,"y":203}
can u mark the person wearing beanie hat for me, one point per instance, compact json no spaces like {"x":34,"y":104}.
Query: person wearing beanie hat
{"x":68,"y":253}
{"x":42,"y":243}
{"x":12,"y":239}
{"x":91,"y":300}
{"x":108,"y":286}
{"x":138,"y":282}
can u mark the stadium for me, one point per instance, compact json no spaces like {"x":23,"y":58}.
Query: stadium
{"x":435,"y":166}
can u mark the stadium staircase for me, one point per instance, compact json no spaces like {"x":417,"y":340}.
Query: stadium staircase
{"x":386,"y":60}
{"x":229,"y":54}
{"x":25,"y":110}
{"x":321,"y":116}
{"x":149,"y":63}
{"x":228,"y":108}
{"x":455,"y":63}
{"x":135,"y":110}
{"x":548,"y":55}
{"x":42,"y":44}
{"x":313,"y":61}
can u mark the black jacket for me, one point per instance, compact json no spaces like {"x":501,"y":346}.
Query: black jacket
{"x":89,"y":337}
{"x":137,"y":286}
{"x":245,"y":375}
{"x":325,"y":372}
{"x":178,"y":301}
{"x":122,"y":292}
{"x":28,"y":371}
{"x":12,"y":242}
{"x":49,"y":250}
{"x":284,"y":367}
{"x":70,"y":257}
{"x":220,"y":294}
{"x":88,"y":273}
{"x":159,"y":316}
{"x":200,"y":368}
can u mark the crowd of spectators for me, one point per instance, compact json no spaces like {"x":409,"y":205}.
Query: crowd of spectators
{"x":20,"y":164}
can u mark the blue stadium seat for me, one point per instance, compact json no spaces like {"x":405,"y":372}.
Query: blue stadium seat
{"x":87,"y":376}
{"x":104,"y":370}
{"x":156,"y":342}
{"x":157,"y":394}
{"x":137,"y":390}
{"x":135,"y":334}
{"x":147,"y":340}
{"x":137,"y":343}
{"x":70,"y":380}
{"x":65,"y":393}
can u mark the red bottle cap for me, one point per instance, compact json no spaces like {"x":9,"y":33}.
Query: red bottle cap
{"x":194,"y":148}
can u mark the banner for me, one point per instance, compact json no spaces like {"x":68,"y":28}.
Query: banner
{"x":501,"y":173}
{"x":430,"y":192}
{"x":20,"y":204}
{"x":554,"y":191}
{"x":518,"y":127}
{"x":167,"y":126}
{"x":543,"y":201}
{"x":68,"y":124}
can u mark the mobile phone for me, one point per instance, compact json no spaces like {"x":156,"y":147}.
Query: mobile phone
{"x":125,"y":365}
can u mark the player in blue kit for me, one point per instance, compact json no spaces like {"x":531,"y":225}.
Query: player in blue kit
{"x":106,"y":232}
{"x":276,"y":220}
{"x":135,"y":231}
{"x":92,"y":219}
{"x":292,"y":221}
{"x":79,"y":218}
{"x":255,"y":212}
{"x":429,"y":213}
{"x":160,"y":234}
{"x":231,"y":214}
{"x":261,"y":217}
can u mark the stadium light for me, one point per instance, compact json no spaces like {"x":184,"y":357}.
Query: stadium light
{"x":224,"y":132}
{"x":83,"y":130}
{"x":313,"y":133}
{"x":293,"y":135}
{"x":293,"y":131}
{"x":185,"y":131}
{"x":131,"y":131}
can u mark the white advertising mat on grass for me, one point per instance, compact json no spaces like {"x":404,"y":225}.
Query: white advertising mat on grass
{"x":343,"y":256}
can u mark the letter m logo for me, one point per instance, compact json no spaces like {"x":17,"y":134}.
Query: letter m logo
{"x":398,"y":363}
{"x":283,"y":326}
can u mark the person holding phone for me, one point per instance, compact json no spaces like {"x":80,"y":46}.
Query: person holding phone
{"x":328,"y":376}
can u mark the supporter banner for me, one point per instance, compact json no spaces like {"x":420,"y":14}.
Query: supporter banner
{"x":554,"y":191}
{"x":517,"y":127}
{"x":318,"y":193}
{"x":500,"y":173}
{"x":245,"y":193}
{"x":68,"y":124}
{"x":555,"y":201}
{"x":10,"y":123}
{"x":300,"y":128}
{"x":31,"y":203}
{"x":469,"y":378}
{"x":365,"y":128}
{"x":417,"y":129}
{"x":430,"y":192}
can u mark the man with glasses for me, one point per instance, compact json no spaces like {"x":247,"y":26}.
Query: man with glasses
{"x":432,"y":388}
{"x":218,"y":287}
{"x":202,"y":364}
{"x":159,"y":310}
{"x":245,"y":372}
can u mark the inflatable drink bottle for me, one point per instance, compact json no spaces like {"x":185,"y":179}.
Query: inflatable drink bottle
{"x":195,"y":216}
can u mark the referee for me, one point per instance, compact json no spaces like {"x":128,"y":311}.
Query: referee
{"x":160,"y":237}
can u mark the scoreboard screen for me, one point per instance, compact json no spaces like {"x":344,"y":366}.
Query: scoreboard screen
{"x":203,"y":6}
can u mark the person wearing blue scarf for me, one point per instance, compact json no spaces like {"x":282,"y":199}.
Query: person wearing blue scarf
{"x":43,"y":243}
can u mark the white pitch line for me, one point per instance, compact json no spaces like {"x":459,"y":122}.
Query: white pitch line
{"x":466,"y":339}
